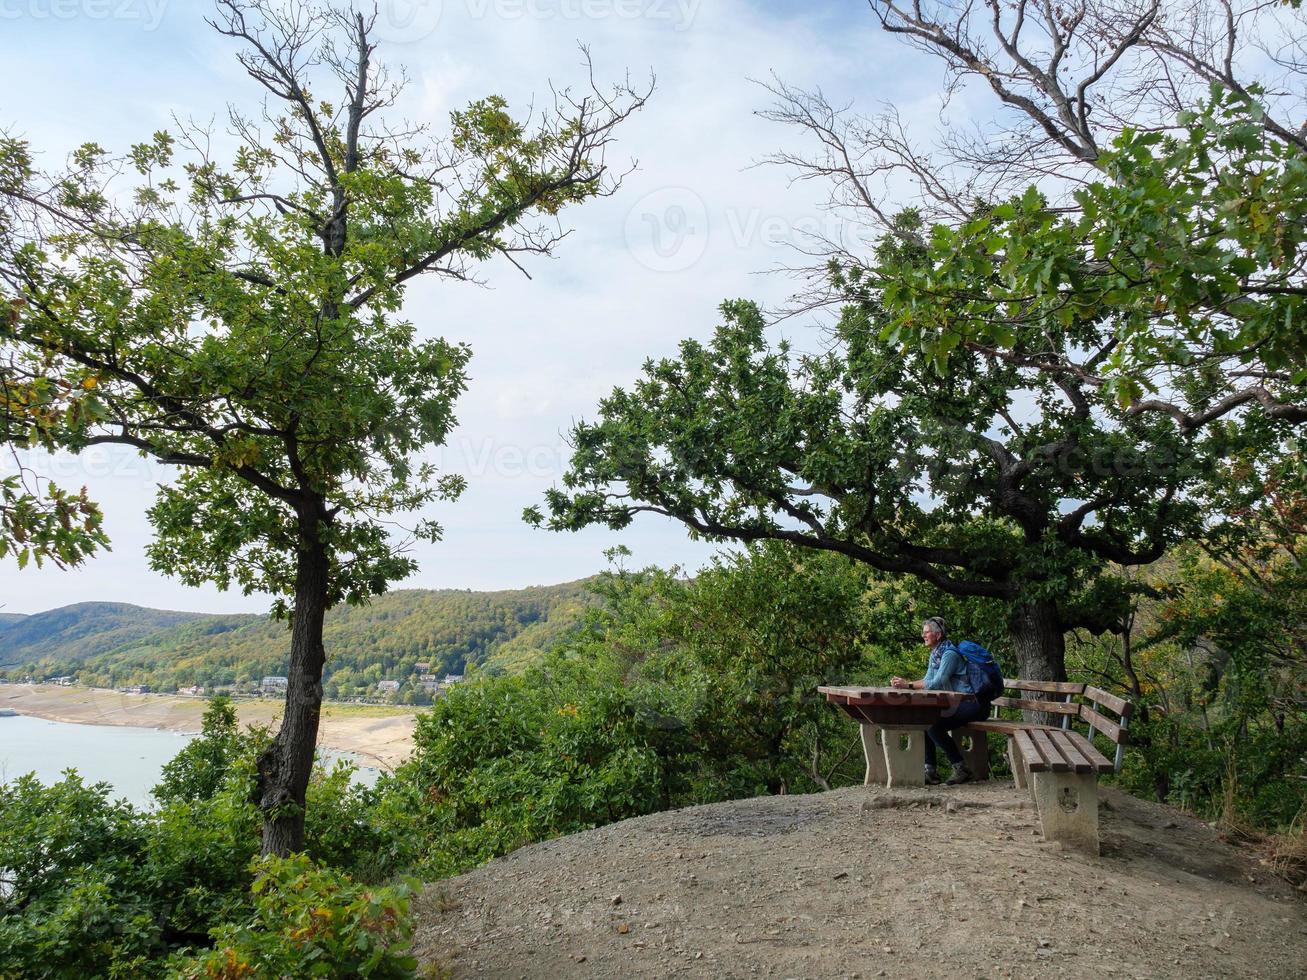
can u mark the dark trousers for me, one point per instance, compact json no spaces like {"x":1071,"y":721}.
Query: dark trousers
{"x":938,"y":733}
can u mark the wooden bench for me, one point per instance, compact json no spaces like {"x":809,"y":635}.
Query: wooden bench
{"x":977,"y":751}
{"x":1057,"y":764}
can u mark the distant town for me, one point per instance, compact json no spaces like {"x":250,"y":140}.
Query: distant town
{"x":421,"y":688}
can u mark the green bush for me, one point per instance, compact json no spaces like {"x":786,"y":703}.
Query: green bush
{"x":510,"y":760}
{"x":200,"y":768}
{"x":78,"y":897}
{"x":311,"y":921}
{"x":368,"y":832}
{"x":1216,"y":670}
{"x":673,"y":693}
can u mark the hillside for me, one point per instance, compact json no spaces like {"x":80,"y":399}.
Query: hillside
{"x":111,"y":644}
{"x":88,"y":629}
{"x":939,"y":883}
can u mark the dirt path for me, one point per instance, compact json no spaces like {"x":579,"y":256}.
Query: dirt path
{"x":384,"y":736}
{"x":858,"y":883}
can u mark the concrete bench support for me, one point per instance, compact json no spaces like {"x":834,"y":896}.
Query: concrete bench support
{"x":890,"y":763}
{"x":877,"y":772}
{"x":905,"y":756}
{"x":1068,"y":808}
{"x":975,"y":752}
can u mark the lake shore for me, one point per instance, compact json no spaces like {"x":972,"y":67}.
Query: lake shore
{"x":381,"y":736}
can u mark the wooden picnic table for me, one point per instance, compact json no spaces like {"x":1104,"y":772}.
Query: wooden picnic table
{"x":894,"y":722}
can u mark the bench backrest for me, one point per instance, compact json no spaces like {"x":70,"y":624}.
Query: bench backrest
{"x":1060,"y":699}
{"x":1056,"y":700}
{"x":1091,"y":713}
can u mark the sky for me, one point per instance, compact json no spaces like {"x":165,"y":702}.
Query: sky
{"x":694,"y":224}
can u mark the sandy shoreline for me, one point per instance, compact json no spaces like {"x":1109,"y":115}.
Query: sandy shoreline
{"x":383,"y":736}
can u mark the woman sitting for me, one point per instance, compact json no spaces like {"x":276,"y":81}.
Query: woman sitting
{"x":946,"y":670}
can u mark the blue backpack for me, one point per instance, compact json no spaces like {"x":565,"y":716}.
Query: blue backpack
{"x":982,"y":671}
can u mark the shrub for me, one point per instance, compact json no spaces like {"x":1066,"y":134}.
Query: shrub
{"x":199,"y":769}
{"x":77,"y":897}
{"x":311,"y":921}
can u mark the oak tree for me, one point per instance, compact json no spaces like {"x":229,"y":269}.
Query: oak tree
{"x":1087,"y":327}
{"x":39,"y":520}
{"x":242,"y":320}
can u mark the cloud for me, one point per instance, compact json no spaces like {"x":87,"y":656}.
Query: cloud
{"x":547,"y":349}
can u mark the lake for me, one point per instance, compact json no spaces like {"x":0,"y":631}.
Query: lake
{"x":129,"y":759}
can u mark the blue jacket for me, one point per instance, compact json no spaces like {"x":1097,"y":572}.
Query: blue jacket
{"x":947,"y":670}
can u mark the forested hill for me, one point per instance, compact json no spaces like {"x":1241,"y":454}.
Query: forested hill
{"x":112,"y":644}
{"x":77,"y":632}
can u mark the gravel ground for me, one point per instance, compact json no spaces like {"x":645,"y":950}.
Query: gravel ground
{"x":945,"y":882}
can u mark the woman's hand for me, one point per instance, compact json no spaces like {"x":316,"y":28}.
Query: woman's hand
{"x":899,"y":682}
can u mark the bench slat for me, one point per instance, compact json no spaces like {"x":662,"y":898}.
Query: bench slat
{"x":1071,"y":751}
{"x":1027,"y":704}
{"x":1102,"y":723}
{"x":1049,"y":751}
{"x":1100,"y":762}
{"x":1044,"y":687}
{"x":1004,"y":727}
{"x":1120,"y":705}
{"x":1029,"y":754}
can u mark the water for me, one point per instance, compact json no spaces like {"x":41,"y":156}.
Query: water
{"x":129,"y":759}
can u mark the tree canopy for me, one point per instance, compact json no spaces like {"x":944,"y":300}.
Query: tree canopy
{"x":867,"y":451}
{"x":1025,"y":387}
{"x":240,"y":320}
{"x":1142,"y":167}
{"x":39,"y":521}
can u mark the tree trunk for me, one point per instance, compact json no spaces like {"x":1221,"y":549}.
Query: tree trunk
{"x":1040,"y":644}
{"x":285,"y":766}
{"x":1037,"y":637}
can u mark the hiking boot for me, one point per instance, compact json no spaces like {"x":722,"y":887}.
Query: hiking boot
{"x":932,"y":777}
{"x":961,"y":774}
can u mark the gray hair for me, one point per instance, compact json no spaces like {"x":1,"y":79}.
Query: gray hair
{"x":937,"y":623}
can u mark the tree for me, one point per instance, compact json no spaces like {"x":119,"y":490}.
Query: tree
{"x":38,"y":520}
{"x":1165,"y":143}
{"x":241,"y":322}
{"x":1022,"y":392}
{"x":866,"y":451}
{"x":1063,"y":80}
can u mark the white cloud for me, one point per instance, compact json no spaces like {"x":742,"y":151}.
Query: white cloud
{"x":544,"y":350}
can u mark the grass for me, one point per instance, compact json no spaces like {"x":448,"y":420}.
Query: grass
{"x":1289,"y":855}
{"x":345,"y":710}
